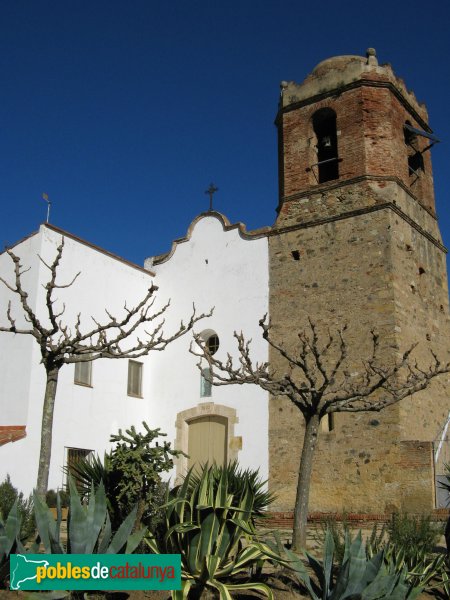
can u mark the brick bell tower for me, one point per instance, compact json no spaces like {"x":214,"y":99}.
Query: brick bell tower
{"x":356,"y":241}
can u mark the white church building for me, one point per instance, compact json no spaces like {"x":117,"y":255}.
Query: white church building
{"x":166,"y":389}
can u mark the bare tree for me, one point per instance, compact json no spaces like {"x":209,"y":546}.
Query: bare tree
{"x":59,"y":344}
{"x":319,"y":383}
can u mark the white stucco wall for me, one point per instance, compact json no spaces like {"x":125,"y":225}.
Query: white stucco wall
{"x":217,"y":266}
{"x":84,"y":416}
{"x":16,"y":350}
{"x":226,"y":270}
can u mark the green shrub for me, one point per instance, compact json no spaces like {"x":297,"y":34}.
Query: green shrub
{"x":209,"y":521}
{"x":413,"y":532}
{"x":131,"y":474}
{"x":408,"y":542}
{"x":51,"y":498}
{"x":8,"y":496}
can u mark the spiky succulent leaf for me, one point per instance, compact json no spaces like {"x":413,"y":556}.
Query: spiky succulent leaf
{"x":10,"y":530}
{"x":134,"y":540}
{"x":257,"y":587}
{"x":328,"y":555}
{"x":209,"y":531}
{"x":78,"y":522}
{"x":105,"y":536}
{"x":183,"y":593}
{"x":357,"y":567}
{"x":121,"y":536}
{"x":96,"y":515}
{"x":339,"y":590}
{"x":45,"y":522}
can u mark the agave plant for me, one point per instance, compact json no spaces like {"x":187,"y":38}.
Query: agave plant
{"x":9,"y":539}
{"x":209,"y":522}
{"x":88,"y":471}
{"x":422,"y":567}
{"x":237,"y":480}
{"x":359,"y":577}
{"x":445,"y":584}
{"x":89,"y":527}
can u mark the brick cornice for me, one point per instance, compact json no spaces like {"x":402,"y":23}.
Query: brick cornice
{"x":351,"y":86}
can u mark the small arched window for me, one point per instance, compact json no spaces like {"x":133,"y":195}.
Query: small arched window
{"x":211,"y":340}
{"x":324,"y":125}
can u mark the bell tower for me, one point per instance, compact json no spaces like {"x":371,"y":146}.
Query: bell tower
{"x":356,"y":242}
{"x":352,"y":122}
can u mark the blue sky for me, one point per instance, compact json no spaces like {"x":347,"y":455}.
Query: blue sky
{"x":123,"y":112}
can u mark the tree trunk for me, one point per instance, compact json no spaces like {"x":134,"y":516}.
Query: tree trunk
{"x":47,"y":431}
{"x":304,"y":483}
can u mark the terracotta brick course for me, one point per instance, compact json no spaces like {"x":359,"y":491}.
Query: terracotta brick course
{"x":11,"y":433}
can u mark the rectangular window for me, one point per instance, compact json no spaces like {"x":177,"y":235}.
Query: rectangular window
{"x":205,"y":383}
{"x":83,"y":373}
{"x":327,"y":422}
{"x":134,"y":378}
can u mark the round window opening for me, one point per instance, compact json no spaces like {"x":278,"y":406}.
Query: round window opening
{"x":212,"y":343}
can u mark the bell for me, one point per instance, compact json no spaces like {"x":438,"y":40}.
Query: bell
{"x":326,"y":142}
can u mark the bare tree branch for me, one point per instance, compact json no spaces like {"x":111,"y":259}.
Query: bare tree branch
{"x":23,"y":297}
{"x":318,"y":382}
{"x":133,"y":335}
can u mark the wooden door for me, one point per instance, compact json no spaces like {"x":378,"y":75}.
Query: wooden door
{"x":207,"y":440}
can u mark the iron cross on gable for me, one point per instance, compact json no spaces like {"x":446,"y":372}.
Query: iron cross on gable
{"x":211,"y":191}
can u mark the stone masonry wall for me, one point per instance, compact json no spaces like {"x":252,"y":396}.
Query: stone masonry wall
{"x":349,"y":271}
{"x":342,"y":277}
{"x":422,"y":315}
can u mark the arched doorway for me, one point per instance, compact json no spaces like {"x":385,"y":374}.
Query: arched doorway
{"x":206,"y":433}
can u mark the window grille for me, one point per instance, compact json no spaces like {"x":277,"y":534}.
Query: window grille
{"x":213,"y":343}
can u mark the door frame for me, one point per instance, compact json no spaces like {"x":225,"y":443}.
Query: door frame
{"x":204,"y":409}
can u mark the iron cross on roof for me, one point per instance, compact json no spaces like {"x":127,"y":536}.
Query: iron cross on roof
{"x":211,"y":191}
